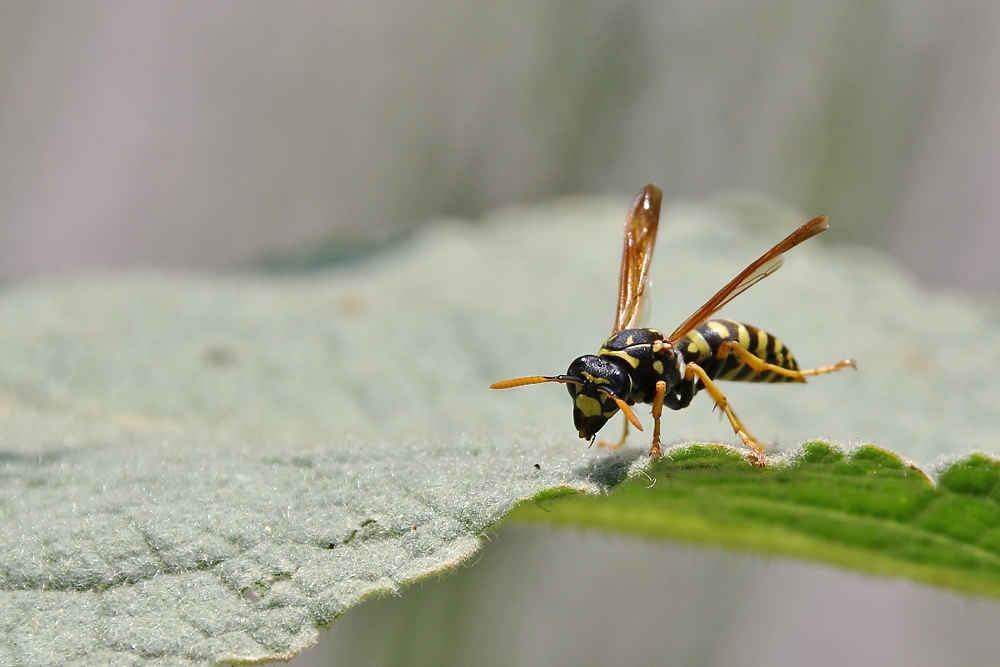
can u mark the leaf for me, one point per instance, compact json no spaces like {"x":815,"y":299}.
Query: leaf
{"x":208,"y":557}
{"x":208,"y":468}
{"x":867,"y":510}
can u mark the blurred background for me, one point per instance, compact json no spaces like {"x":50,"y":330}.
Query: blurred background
{"x":212,"y":134}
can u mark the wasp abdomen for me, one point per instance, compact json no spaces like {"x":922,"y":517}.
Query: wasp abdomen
{"x":702,"y":346}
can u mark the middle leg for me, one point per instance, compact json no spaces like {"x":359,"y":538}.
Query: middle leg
{"x":661,"y":391}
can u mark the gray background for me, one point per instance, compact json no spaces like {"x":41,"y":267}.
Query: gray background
{"x":209,"y":134}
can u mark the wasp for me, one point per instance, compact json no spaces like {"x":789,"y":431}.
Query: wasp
{"x":640,"y":365}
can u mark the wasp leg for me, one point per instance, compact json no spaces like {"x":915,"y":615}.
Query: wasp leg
{"x":693,"y":369}
{"x":661,"y":391}
{"x":830,"y":369}
{"x":759,"y":365}
{"x":615,"y":445}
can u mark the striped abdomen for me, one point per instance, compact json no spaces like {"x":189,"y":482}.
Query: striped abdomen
{"x":702,"y":345}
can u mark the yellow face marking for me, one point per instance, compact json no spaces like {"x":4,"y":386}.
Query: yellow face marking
{"x":596,"y":380}
{"x":590,"y":407}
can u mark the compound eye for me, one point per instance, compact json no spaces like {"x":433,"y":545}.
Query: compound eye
{"x":587,"y":365}
{"x":597,"y":373}
{"x":616,"y":381}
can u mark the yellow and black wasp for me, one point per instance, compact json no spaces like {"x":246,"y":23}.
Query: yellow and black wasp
{"x":638,"y":365}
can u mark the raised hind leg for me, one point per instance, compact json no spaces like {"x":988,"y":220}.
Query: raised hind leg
{"x":761,"y":366}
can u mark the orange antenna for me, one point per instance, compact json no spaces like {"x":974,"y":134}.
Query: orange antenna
{"x":624,"y":407}
{"x":534,"y":379}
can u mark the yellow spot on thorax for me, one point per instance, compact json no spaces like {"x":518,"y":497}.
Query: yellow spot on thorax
{"x":596,"y":380}
{"x":621,"y":354}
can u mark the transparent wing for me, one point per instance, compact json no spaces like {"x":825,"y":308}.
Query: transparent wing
{"x":637,"y":251}
{"x":642,"y":316}
{"x":767,"y":264}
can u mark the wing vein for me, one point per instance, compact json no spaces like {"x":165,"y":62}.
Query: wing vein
{"x":764,"y":266}
{"x":637,"y":253}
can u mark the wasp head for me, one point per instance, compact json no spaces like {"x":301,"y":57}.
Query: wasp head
{"x":598,"y":386}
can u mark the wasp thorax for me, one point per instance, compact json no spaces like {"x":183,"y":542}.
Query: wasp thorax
{"x":596,"y":380}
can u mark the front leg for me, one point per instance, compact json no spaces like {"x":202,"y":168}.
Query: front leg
{"x":615,"y":445}
{"x":661,"y":391}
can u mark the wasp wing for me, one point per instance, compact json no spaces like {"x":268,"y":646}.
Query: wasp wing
{"x":637,"y":251}
{"x":767,"y":264}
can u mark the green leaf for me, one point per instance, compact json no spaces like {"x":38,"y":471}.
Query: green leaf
{"x":867,"y":510}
